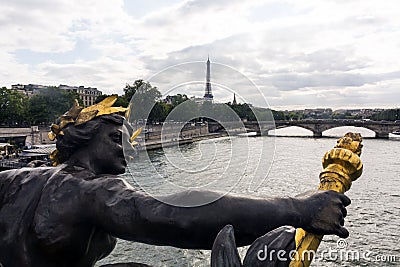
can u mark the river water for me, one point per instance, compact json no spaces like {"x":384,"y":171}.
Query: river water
{"x":290,"y":165}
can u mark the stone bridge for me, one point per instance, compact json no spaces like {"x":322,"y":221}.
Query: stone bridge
{"x":381,"y":128}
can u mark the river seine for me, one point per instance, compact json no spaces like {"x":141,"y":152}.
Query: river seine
{"x":373,"y":217}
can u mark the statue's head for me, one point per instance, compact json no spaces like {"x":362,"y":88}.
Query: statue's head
{"x":95,"y":131}
{"x":101,"y":138}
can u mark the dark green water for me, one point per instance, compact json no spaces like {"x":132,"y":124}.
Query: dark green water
{"x":373,"y":217}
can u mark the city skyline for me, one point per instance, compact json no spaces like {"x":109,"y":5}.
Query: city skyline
{"x":31,"y":89}
{"x":301,"y":54}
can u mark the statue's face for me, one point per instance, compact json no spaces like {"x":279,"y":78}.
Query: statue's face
{"x":106,"y":146}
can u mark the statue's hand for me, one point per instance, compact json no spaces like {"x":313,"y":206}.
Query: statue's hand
{"x":325,"y":212}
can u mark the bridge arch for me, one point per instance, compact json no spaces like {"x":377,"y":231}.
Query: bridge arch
{"x":382,"y":129}
{"x":318,"y":130}
{"x":291,"y":131}
{"x":341,"y":130}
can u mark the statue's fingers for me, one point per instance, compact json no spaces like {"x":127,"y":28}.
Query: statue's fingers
{"x":345,"y":200}
{"x":342,"y":232}
{"x":341,"y":221}
{"x":344,"y":211}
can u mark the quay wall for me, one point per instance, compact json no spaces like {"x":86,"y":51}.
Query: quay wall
{"x":152,"y":134}
{"x":26,"y":136}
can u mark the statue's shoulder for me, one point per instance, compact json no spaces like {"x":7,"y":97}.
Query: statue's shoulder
{"x":110,"y":182}
{"x":25,"y":173}
{"x":24,"y":176}
{"x":25,"y":170}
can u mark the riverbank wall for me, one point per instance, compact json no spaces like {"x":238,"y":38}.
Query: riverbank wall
{"x":27,"y":136}
{"x":166,"y":135}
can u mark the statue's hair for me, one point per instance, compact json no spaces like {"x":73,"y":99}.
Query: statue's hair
{"x":77,"y":136}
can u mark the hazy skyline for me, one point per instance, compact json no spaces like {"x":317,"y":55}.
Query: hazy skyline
{"x":301,"y":54}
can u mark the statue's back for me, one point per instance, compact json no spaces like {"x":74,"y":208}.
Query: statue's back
{"x":20,"y":191}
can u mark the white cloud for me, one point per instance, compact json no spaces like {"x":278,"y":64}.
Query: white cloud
{"x":298,"y":52}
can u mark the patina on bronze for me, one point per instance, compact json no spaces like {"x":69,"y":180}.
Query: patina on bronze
{"x":71,"y":214}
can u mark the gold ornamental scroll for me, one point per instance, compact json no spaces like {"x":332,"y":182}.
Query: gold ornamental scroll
{"x":342,"y":165}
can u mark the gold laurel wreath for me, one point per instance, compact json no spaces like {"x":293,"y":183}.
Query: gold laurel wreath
{"x":79,"y":115}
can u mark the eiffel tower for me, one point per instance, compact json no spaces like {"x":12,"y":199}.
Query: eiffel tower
{"x":208,"y":94}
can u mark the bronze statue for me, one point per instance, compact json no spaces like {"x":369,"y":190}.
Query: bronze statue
{"x":71,"y":214}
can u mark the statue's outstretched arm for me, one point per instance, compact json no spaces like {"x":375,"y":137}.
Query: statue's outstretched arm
{"x":128,"y":214}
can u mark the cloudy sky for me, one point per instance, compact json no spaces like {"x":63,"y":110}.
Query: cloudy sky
{"x":299,"y":53}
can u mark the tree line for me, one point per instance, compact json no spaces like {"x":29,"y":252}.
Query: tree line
{"x":43,"y":108}
{"x":17,"y":109}
{"x":148,"y":106}
{"x":387,"y":115}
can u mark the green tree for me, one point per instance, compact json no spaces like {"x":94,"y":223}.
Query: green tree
{"x":179,"y":99}
{"x":183,"y":112}
{"x":278,"y":115}
{"x":206,"y":110}
{"x":338,"y":116}
{"x":142,"y":87}
{"x":264,"y":114}
{"x":244,"y":111}
{"x":50,"y":103}
{"x":387,"y":115}
{"x":159,"y":112}
{"x":12,"y":107}
{"x":143,"y":98}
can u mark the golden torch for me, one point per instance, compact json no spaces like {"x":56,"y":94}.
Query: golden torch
{"x":342,"y":165}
